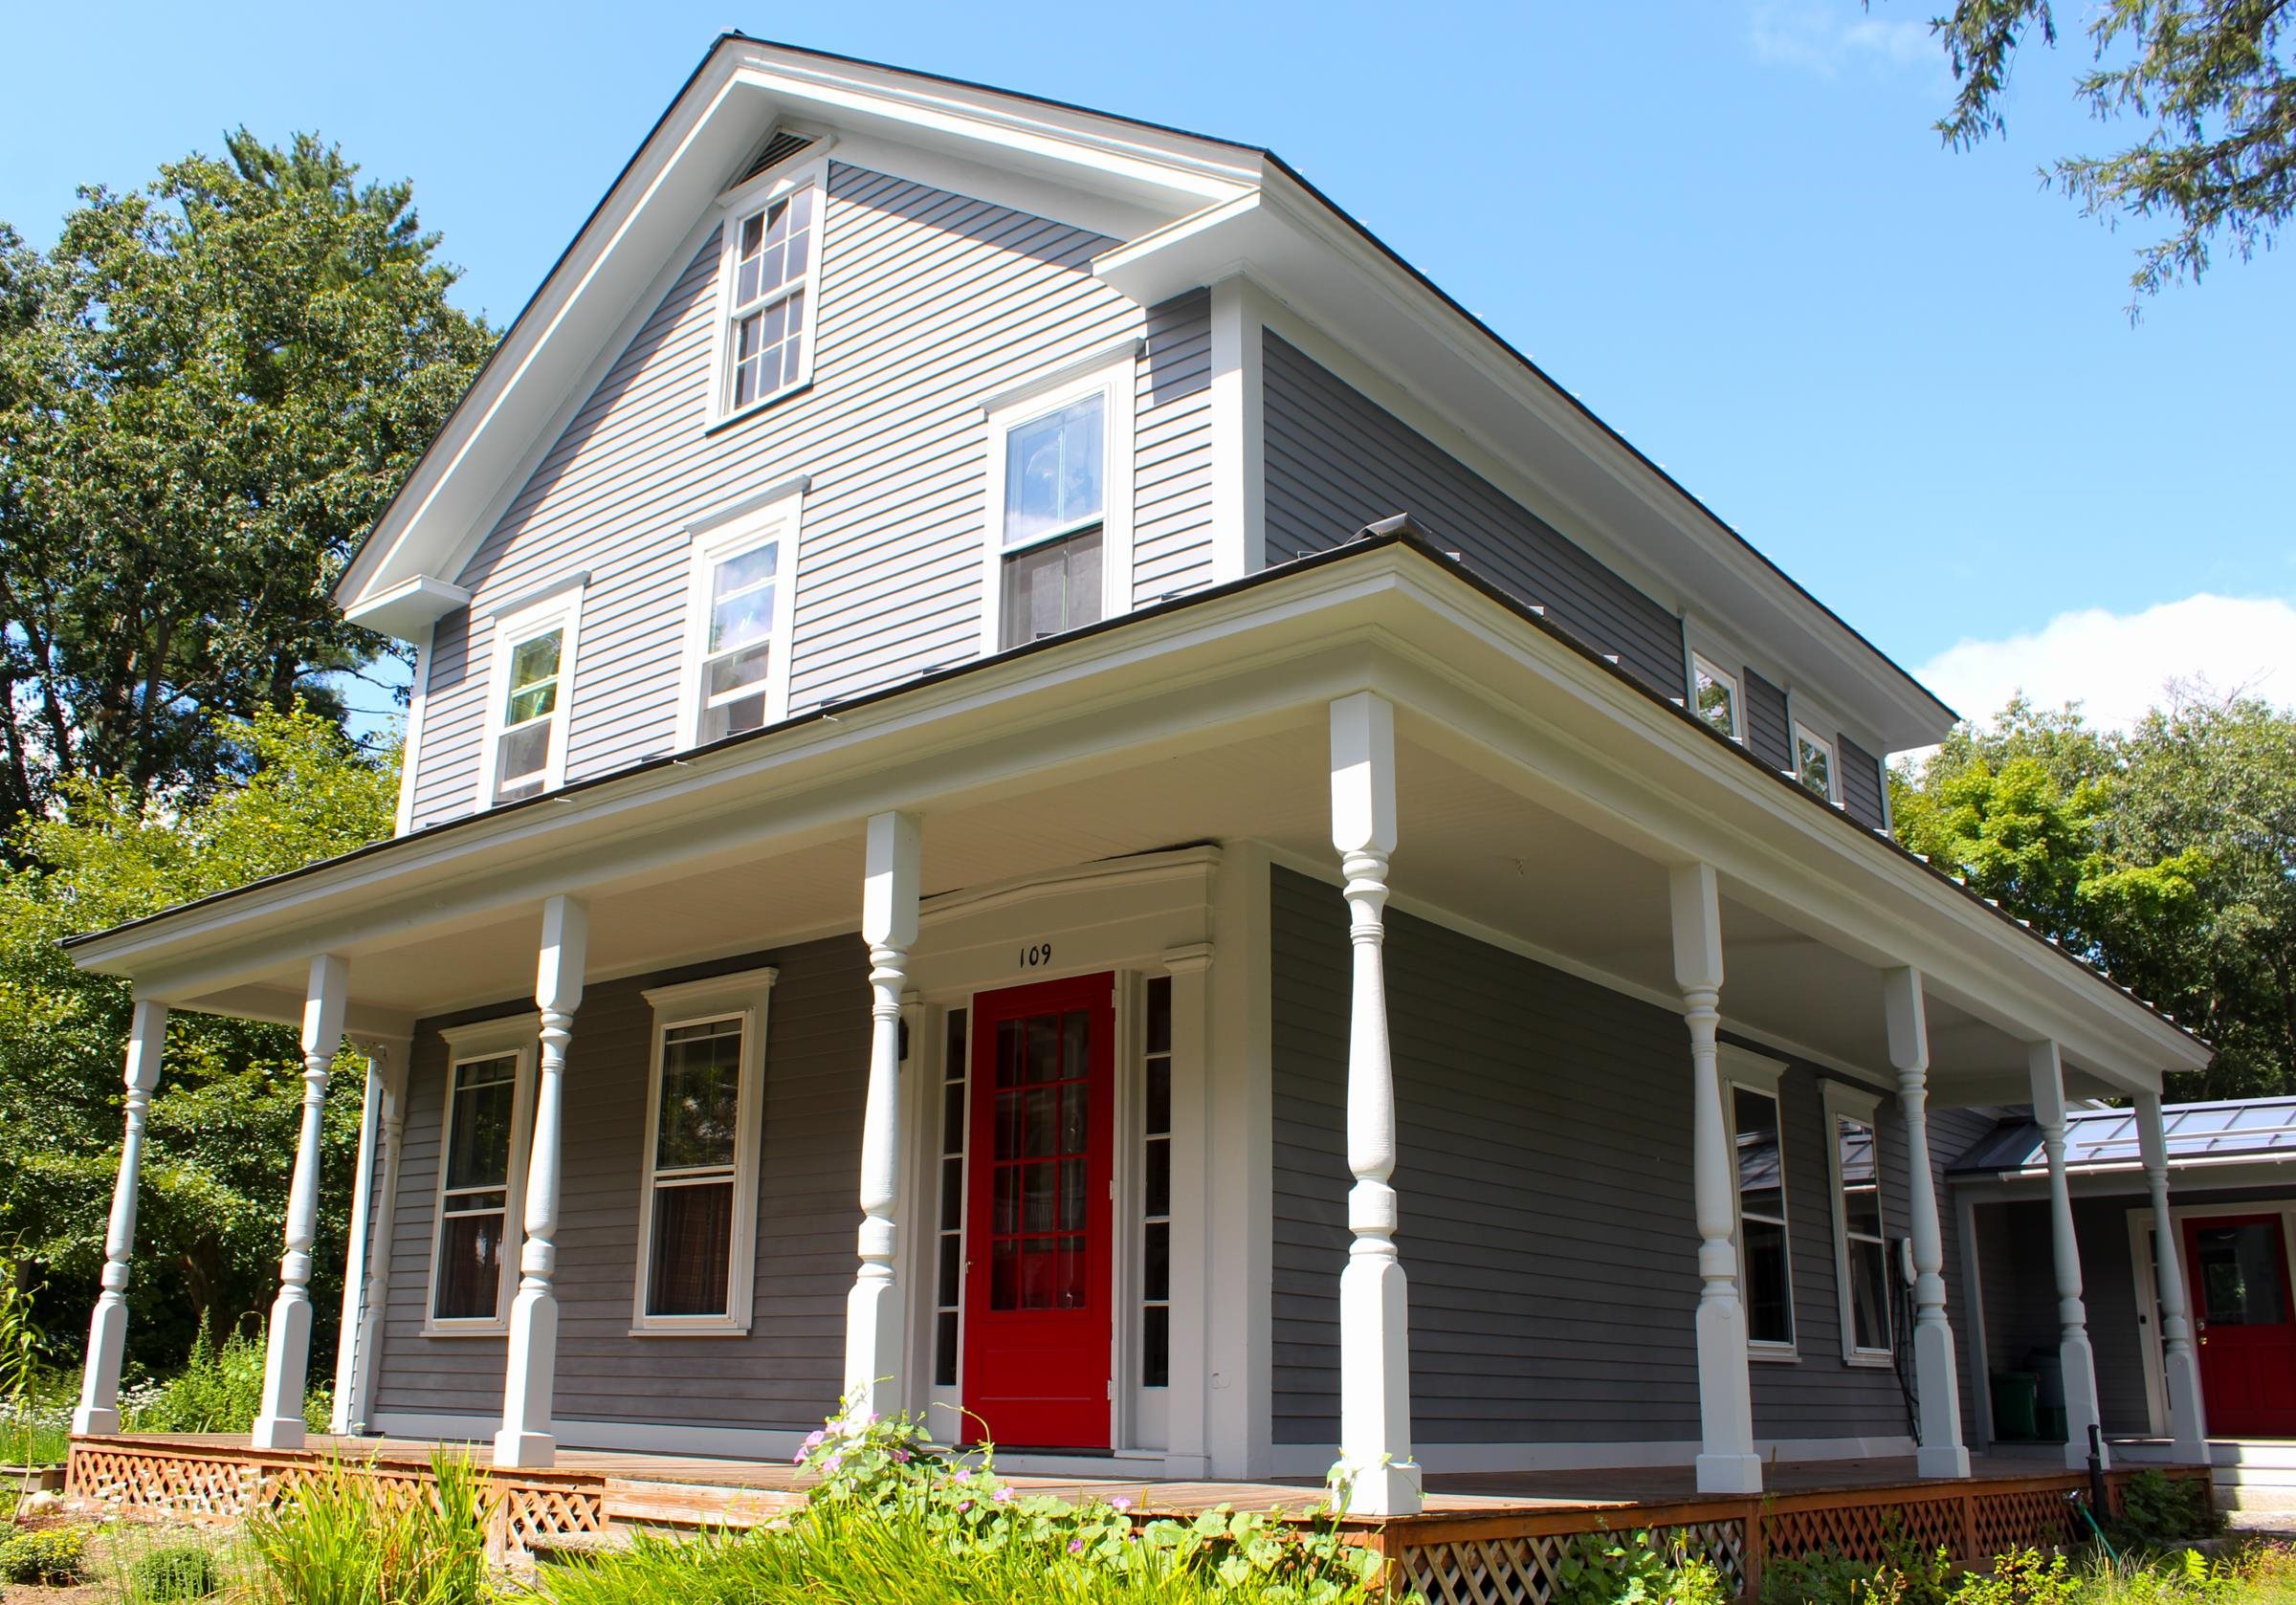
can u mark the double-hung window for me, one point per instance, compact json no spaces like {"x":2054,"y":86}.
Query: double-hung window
{"x":1765,"y":1258}
{"x":698,"y":1208}
{"x":1813,"y":764}
{"x":738,"y":617}
{"x":1861,"y":1247}
{"x":529,"y":695}
{"x":769,"y":297}
{"x":1714,"y":698}
{"x":1060,"y":508}
{"x":482,"y":1175}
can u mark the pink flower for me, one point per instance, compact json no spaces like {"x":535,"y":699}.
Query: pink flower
{"x":900,"y":1457}
{"x":1003,"y":1496}
{"x":829,"y":1466}
{"x":1075,"y":1545}
{"x":1119,"y":1505}
{"x":817,"y":1437}
{"x":962,"y":1506}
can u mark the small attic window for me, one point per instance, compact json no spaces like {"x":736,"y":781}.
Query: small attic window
{"x":781,"y":145}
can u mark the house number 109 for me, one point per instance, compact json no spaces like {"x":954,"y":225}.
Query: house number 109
{"x":1036,"y":955}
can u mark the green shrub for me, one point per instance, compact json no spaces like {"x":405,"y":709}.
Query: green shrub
{"x":1827,"y":1577}
{"x":342,"y":1538}
{"x":218,"y":1390}
{"x":1604,"y":1569}
{"x":174,"y":1572}
{"x":55,"y":1554}
{"x":2159,"y":1513}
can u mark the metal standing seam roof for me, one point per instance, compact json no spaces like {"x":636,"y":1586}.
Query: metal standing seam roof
{"x":2106,"y":1138}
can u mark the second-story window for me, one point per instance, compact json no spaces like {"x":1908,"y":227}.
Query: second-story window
{"x":529,"y":694}
{"x":737,"y":616}
{"x":768,"y":295}
{"x":1814,"y":762}
{"x":1715,"y":696}
{"x":1059,"y":506}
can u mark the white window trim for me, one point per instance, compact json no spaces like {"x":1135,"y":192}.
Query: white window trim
{"x":743,"y":996}
{"x":1117,"y":379}
{"x":1864,"y":1108}
{"x":1757,"y":1073}
{"x":559,"y":609}
{"x":1735,"y":680}
{"x":809,"y":167}
{"x":773,"y":514}
{"x":518,"y":1035}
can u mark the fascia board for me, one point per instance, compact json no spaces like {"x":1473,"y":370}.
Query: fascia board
{"x":1288,"y":240}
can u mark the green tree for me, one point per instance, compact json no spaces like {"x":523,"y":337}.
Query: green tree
{"x":2165,"y":855}
{"x":223,"y":1124}
{"x":208,"y":390}
{"x":2210,"y":79}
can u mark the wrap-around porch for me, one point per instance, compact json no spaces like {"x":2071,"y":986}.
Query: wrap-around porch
{"x":1526,"y":795}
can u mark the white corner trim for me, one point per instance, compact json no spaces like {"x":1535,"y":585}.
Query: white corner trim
{"x":1238,"y":430}
{"x":410,"y":746}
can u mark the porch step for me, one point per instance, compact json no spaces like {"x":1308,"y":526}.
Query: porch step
{"x":2252,"y":1474}
{"x":630,"y":1502}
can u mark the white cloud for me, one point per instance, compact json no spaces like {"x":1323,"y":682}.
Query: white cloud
{"x":2118,"y":664}
{"x":1822,"y":36}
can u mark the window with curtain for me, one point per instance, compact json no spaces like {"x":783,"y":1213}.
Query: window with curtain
{"x":692,"y":1180}
{"x":473,"y":1206}
{"x":1765,"y":1275}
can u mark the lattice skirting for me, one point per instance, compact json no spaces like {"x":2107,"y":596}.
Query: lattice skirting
{"x":1526,"y":1570}
{"x":226,"y":1483}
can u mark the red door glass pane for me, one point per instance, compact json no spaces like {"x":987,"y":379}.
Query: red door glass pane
{"x":1041,"y":1141}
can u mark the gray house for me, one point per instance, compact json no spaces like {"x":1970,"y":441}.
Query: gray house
{"x":1044,"y":788}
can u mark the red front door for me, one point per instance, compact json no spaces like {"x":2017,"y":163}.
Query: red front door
{"x":1038,"y":1217}
{"x":2246,"y":1330}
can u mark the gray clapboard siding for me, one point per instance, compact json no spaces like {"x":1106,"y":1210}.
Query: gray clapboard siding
{"x":1545,"y":1188}
{"x":1336,"y":461}
{"x":1862,"y":784}
{"x":927,"y":301}
{"x":1769,"y":732}
{"x":784,"y":1373}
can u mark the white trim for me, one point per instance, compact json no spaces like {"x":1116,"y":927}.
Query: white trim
{"x":561,"y":609}
{"x":767,"y":183}
{"x":409,"y":609}
{"x":1805,"y":722}
{"x":1312,"y":1460}
{"x":1238,"y":430}
{"x":410,"y":746}
{"x":1117,"y":379}
{"x":744,"y":998}
{"x":810,"y":169}
{"x":1764,"y":1076}
{"x":1732,"y":680}
{"x":1856,"y":1104}
{"x":515,"y":1037}
{"x":773,"y":514}
{"x":1024,"y":392}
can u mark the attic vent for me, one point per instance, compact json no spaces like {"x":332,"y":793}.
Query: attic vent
{"x":777,"y":149}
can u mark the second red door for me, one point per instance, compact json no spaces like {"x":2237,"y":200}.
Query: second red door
{"x":1038,"y":1217}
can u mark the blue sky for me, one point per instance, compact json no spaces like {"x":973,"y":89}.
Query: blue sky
{"x":1726,"y":225}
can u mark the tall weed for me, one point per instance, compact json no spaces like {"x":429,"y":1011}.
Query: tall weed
{"x":341,"y":1538}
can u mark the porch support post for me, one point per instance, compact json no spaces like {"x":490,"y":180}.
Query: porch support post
{"x":1726,"y":1463}
{"x":1934,"y":1375}
{"x":366,"y":1267}
{"x":2188,"y":1421}
{"x":530,"y":1372}
{"x":99,"y":1410}
{"x":287,"y":1354}
{"x":1376,"y":1471}
{"x":872,"y":1311}
{"x":2046,"y":1066}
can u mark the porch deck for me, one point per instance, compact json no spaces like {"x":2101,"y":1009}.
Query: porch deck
{"x":1484,"y":1537}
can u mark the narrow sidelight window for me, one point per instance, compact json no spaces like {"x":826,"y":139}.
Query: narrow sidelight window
{"x":738,"y":649}
{"x":524,"y":751}
{"x":1156,"y":1192}
{"x":1054,"y":511}
{"x":1765,"y":1275}
{"x":767,"y":300}
{"x":948,"y":1283}
{"x":1714,"y":698}
{"x":696,"y":1123}
{"x":1814,"y":762}
{"x":475,"y":1197}
{"x":1865,"y":1257}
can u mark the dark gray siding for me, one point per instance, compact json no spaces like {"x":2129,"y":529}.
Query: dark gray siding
{"x":1337,"y":461}
{"x":784,"y":1373}
{"x":1769,"y":735}
{"x":1861,"y":783}
{"x":1545,"y":1183}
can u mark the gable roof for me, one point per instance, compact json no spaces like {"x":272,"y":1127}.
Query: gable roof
{"x":1189,"y":208}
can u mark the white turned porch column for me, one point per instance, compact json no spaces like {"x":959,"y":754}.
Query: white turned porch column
{"x":2046,"y":1066}
{"x":287,"y":1354}
{"x":872,"y":1311}
{"x":2188,"y":1420}
{"x":367,"y":1267}
{"x":1935,"y":1376}
{"x":1726,"y":1463}
{"x":99,"y":1410}
{"x":530,"y":1372}
{"x":1376,"y":1469}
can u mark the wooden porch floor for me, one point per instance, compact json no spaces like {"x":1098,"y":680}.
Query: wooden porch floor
{"x":1449,"y":1493}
